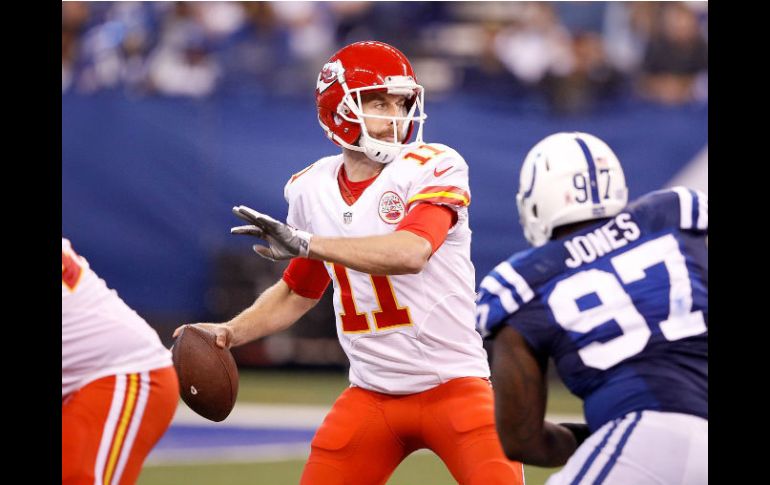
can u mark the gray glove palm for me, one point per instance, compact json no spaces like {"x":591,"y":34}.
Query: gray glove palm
{"x":284,"y":241}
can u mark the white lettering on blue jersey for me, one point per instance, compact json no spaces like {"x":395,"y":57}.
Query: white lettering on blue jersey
{"x":586,"y":248}
{"x":615,"y":305}
{"x":682,"y":321}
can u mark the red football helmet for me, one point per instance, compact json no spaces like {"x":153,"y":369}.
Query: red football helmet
{"x":367,"y":66}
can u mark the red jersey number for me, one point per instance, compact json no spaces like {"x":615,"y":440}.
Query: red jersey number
{"x":424,"y":153}
{"x":388,"y":316}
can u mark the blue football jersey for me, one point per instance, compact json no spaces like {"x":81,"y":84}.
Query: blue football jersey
{"x":621,"y":306}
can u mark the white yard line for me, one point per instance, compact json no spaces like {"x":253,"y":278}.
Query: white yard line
{"x":260,"y":416}
{"x":230,"y":454}
{"x":288,"y":416}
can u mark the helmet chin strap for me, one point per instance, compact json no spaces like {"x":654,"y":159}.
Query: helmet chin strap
{"x":378,"y":151}
{"x":373,"y":149}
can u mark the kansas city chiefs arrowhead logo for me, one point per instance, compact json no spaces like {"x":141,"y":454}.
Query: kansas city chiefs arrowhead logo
{"x":391,"y":208}
{"x":329,"y":75}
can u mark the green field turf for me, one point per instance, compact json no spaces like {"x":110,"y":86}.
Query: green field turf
{"x":422,"y":468}
{"x":417,"y":469}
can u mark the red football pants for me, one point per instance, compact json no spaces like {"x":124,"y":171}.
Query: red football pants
{"x":367,"y":434}
{"x":110,"y":425}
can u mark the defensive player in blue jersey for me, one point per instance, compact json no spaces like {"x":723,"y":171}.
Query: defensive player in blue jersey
{"x":617,"y":295}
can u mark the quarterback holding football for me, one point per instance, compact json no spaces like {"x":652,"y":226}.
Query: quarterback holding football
{"x":386,"y":222}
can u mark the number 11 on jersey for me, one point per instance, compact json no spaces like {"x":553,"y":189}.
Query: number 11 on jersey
{"x":388,"y":316}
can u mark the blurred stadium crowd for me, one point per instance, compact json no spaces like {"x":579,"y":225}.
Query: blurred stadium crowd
{"x":573,"y":56}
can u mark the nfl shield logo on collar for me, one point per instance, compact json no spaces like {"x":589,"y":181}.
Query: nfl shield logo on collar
{"x":347,"y":217}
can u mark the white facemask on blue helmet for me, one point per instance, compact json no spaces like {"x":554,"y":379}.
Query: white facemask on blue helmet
{"x":567,"y":178}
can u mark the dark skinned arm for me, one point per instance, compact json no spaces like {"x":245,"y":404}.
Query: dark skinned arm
{"x":519,"y":382}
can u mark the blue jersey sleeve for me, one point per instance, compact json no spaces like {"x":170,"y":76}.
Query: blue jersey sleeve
{"x":501,"y":293}
{"x":679,"y":207}
{"x":508,"y":296}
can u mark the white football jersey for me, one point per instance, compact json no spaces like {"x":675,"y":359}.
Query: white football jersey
{"x":100,"y":334}
{"x":405,"y":333}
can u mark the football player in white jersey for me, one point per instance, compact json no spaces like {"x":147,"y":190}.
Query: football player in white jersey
{"x":387,"y":222}
{"x":119,"y":388}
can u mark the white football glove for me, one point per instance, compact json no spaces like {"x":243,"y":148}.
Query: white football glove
{"x":285,"y":242}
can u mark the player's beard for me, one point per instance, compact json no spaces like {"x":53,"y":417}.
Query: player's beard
{"x":386,"y":135}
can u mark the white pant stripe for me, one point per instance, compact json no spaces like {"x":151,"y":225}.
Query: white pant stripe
{"x":136,"y":421}
{"x":618,"y":449}
{"x":595,"y":463}
{"x":118,"y":396}
{"x":641,"y":447}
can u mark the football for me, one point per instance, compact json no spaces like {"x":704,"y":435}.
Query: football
{"x":208,"y":376}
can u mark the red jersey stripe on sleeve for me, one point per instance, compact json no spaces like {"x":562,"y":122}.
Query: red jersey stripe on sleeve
{"x":442,"y":195}
{"x":307,"y":277}
{"x":431,"y":222}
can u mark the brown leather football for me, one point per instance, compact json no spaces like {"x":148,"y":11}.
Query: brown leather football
{"x":208,"y":376}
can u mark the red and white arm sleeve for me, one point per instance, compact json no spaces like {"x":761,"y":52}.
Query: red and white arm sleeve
{"x":429,"y":221}
{"x":307,"y":277}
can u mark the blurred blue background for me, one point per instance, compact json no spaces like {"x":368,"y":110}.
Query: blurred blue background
{"x":173,"y":112}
